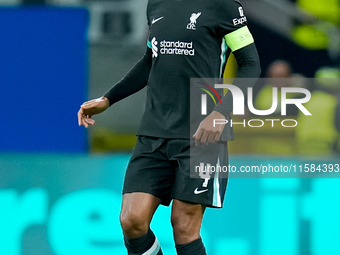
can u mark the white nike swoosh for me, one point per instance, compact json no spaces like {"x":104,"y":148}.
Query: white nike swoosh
{"x":155,"y":20}
{"x":199,"y":191}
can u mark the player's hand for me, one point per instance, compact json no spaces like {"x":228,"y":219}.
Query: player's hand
{"x":90,"y":108}
{"x":206,"y":132}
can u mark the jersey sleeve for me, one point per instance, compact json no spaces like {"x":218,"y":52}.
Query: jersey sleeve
{"x":233,"y":25}
{"x":136,"y":79}
{"x":249,"y":70}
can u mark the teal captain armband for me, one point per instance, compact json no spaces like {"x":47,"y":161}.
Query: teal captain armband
{"x":239,"y":38}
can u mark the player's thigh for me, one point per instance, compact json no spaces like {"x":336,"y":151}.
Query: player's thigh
{"x":149,"y":170}
{"x":186,"y":220}
{"x":187,"y":210}
{"x":138,"y":208}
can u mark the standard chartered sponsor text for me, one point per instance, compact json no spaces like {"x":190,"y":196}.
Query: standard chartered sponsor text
{"x":176,"y":48}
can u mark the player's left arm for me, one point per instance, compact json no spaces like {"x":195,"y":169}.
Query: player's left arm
{"x":249,"y":67}
{"x":233,"y":27}
{"x":241,"y":43}
{"x":248,"y":72}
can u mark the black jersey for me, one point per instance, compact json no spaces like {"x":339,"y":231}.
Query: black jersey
{"x":189,"y":39}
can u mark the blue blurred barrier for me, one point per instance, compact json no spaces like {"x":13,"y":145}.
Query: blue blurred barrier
{"x":69,"y":204}
{"x":43,"y":78}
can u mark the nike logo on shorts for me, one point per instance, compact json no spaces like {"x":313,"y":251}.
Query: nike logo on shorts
{"x":199,"y":191}
{"x":155,"y":20}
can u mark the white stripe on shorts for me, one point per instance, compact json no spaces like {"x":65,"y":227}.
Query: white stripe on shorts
{"x":217,"y":197}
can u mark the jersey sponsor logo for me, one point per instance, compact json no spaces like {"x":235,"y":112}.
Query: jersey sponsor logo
{"x":240,"y":21}
{"x":193,"y":21}
{"x":196,"y":191}
{"x":177,"y":48}
{"x":155,"y":20}
{"x":154,"y":47}
{"x":172,"y":48}
{"x":240,"y":9}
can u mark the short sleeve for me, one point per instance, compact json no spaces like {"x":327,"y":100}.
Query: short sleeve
{"x":233,"y":25}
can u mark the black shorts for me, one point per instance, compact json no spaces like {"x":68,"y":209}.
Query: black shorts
{"x":171,"y":169}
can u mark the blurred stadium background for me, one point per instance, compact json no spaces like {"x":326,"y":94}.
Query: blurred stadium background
{"x":60,"y":185}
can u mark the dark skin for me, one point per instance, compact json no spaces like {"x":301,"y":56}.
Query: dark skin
{"x":138,"y":208}
{"x":90,"y":108}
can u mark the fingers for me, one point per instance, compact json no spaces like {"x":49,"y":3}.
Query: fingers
{"x":205,"y":137}
{"x":88,"y":120}
{"x":217,"y":137}
{"x":90,"y":108}
{"x":84,"y":119}
{"x":198,"y":136}
{"x":80,"y":117}
{"x":207,"y":131}
{"x":210,"y":137}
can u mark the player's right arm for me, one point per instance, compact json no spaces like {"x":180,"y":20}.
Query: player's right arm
{"x":136,"y":79}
